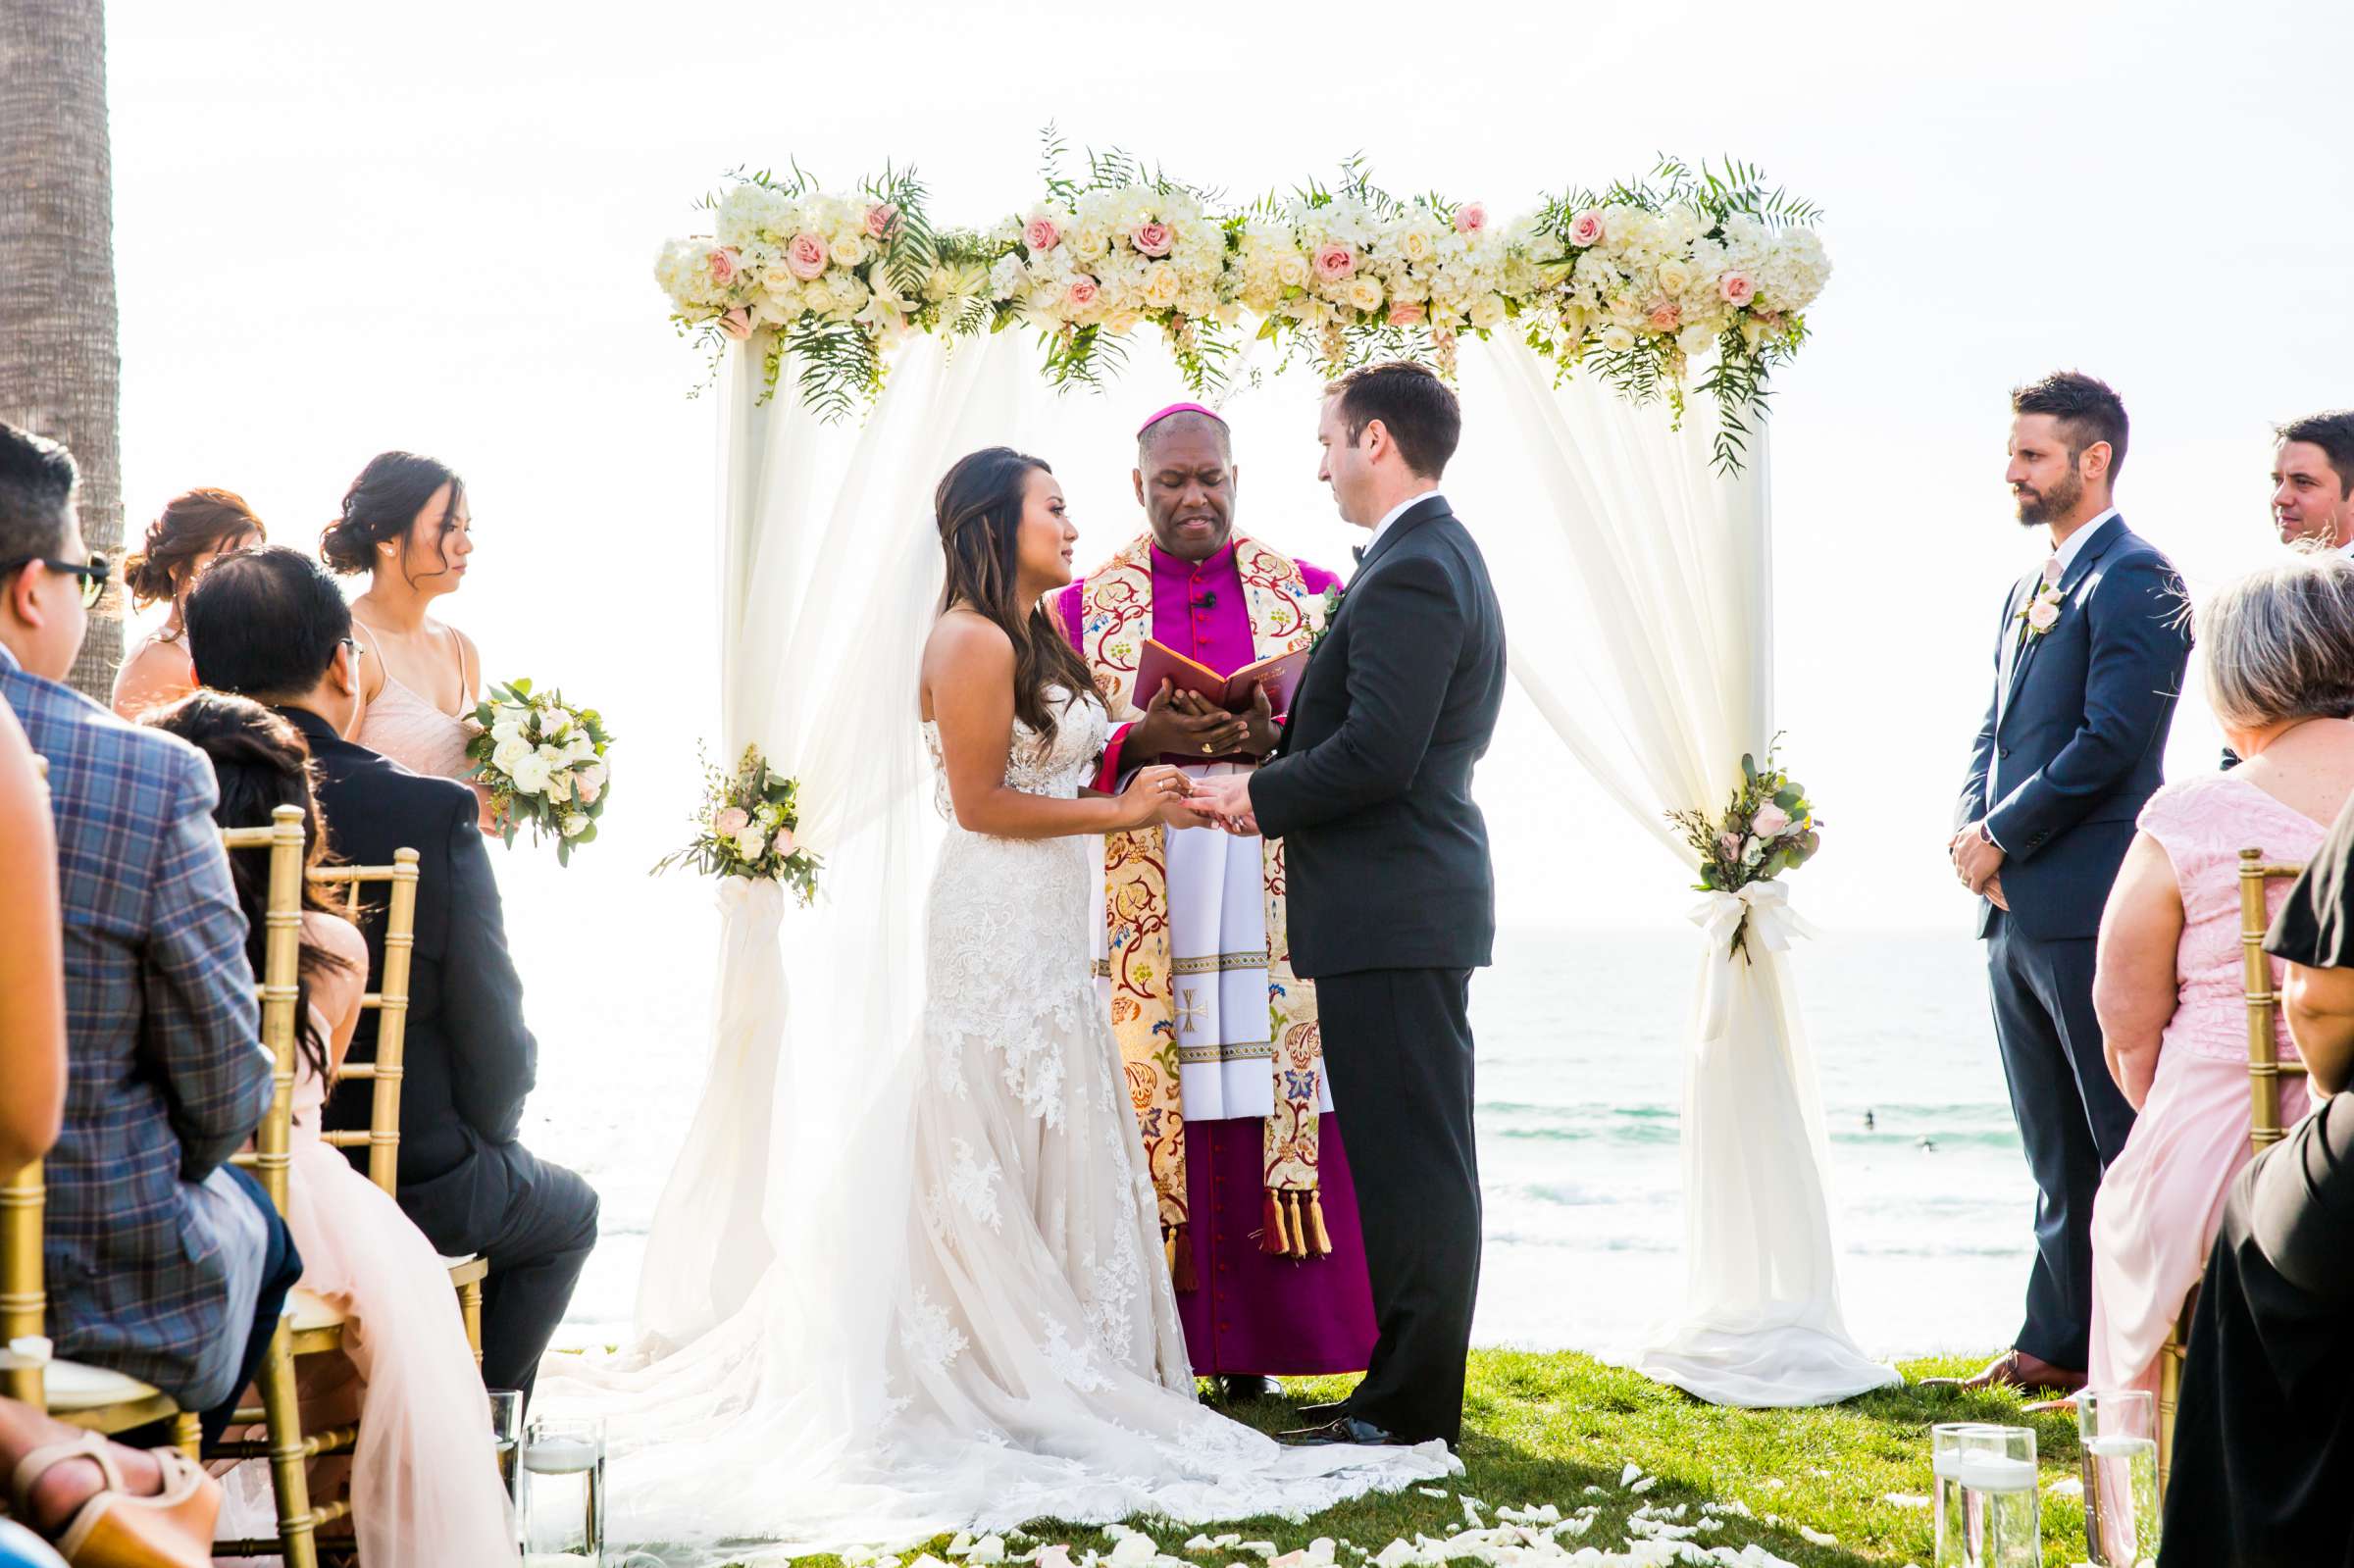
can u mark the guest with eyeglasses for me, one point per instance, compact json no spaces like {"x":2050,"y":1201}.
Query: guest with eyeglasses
{"x":405,"y":522}
{"x":164,"y":1261}
{"x":192,"y":529}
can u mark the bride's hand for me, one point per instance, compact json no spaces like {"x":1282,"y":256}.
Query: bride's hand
{"x":1149,"y":793}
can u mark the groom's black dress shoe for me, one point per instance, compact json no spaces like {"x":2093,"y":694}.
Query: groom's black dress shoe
{"x":1239,"y":1387}
{"x":1340,"y":1430}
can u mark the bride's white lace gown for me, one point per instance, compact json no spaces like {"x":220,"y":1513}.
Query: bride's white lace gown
{"x":1015,"y":1351}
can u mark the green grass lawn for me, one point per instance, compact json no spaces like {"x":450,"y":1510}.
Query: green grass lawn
{"x":1541,"y":1428}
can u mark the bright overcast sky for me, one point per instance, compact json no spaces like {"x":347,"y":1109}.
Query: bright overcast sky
{"x":342,"y":229}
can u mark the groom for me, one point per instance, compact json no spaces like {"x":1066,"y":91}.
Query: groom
{"x":1392,"y":899}
{"x":2088,"y":662}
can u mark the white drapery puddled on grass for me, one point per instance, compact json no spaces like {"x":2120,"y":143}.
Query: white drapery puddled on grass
{"x":1637,"y":587}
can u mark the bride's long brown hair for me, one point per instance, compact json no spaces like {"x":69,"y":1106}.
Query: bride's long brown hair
{"x":979,"y":508}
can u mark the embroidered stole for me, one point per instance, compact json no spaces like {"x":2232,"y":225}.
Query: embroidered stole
{"x":1116,"y":617}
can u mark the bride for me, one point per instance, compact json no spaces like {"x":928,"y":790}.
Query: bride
{"x":993,"y":1339}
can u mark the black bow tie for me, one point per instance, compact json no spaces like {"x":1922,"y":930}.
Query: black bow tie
{"x":1357,"y":553}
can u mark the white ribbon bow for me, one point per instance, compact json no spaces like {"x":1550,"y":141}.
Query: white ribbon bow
{"x":1766,"y":906}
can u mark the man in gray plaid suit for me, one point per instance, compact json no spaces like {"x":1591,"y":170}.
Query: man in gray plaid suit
{"x":162,"y":1260}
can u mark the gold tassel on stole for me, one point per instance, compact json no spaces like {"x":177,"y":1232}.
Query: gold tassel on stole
{"x":1273,"y":1238}
{"x":1315,"y":1224}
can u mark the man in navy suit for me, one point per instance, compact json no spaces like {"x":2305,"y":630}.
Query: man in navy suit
{"x":2089,"y":661}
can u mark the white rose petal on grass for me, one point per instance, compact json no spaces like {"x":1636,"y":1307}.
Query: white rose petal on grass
{"x":988,"y":1549}
{"x":1644,"y":1485}
{"x":1905,"y":1499}
{"x":1134,"y":1551}
{"x":1817,"y":1537}
{"x":1432,"y":1492}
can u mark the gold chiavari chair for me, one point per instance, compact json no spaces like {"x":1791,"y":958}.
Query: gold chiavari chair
{"x":390,"y":1003}
{"x":2265,"y":1070}
{"x":308,"y":1323}
{"x":87,"y":1396}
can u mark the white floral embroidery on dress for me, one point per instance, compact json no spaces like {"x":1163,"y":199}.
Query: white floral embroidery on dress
{"x":1074,"y":1364}
{"x":973,"y":1182}
{"x":927,"y":1335}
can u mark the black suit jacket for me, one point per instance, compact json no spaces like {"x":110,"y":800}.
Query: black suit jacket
{"x":470,"y":1058}
{"x":1370,"y":789}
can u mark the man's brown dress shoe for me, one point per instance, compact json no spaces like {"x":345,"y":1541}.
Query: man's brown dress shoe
{"x":2016,"y":1369}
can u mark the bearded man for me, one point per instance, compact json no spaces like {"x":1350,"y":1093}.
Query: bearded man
{"x":1223,"y":1052}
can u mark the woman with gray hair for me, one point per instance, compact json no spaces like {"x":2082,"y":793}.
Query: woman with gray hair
{"x":2278,"y":651}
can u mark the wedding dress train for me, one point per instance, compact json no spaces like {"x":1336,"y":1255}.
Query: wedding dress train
{"x":992,"y":1337}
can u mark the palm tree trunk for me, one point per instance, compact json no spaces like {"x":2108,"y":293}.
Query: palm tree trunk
{"x":60,"y":354}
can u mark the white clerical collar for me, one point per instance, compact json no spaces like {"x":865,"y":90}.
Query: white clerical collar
{"x":1396,"y":512}
{"x":2075,"y":547}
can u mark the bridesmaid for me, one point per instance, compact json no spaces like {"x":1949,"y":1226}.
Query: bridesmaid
{"x":406,"y":523}
{"x":180,"y":542}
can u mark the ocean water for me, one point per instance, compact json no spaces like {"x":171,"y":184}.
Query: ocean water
{"x":1580,"y":1077}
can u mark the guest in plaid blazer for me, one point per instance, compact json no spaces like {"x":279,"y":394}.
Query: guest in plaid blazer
{"x":161,"y":1258}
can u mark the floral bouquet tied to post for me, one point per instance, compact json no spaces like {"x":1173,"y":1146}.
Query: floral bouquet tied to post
{"x":1768,"y":827}
{"x":544,"y":762}
{"x":747,"y":825}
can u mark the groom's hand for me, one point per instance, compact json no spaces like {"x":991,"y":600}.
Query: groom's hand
{"x":1977,"y":859}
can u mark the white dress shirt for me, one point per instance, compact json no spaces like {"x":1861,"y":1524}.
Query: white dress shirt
{"x":1396,"y":512}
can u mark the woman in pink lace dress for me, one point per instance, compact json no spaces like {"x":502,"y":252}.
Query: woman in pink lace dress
{"x":406,"y":523}
{"x":425,"y":1489}
{"x":2278,"y":647}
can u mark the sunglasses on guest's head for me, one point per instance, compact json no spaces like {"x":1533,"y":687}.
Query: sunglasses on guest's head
{"x":95,"y":573}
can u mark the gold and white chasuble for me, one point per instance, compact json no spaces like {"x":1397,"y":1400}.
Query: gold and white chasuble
{"x":1194,"y":952}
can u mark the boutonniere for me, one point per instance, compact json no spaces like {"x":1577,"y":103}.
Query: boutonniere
{"x":2041,"y":611}
{"x":1332,"y":607}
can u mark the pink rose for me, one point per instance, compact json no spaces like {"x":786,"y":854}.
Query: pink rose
{"x":1040,"y":233}
{"x":1729,"y":845}
{"x":1586,"y":228}
{"x":1664,"y":317}
{"x":1470,"y":218}
{"x":737,"y":324}
{"x":785,"y":843}
{"x":1405,"y":313}
{"x":588,"y":789}
{"x":1772,"y":821}
{"x":723,"y":266}
{"x":1155,"y":238}
{"x":1738,"y":288}
{"x":1335,"y":261}
{"x":805,"y":257}
{"x":2043,"y":615}
{"x":1082,"y":292}
{"x":732,"y":820}
{"x":880,"y":218}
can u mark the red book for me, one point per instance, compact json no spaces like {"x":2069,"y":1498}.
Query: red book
{"x":1232,"y":692}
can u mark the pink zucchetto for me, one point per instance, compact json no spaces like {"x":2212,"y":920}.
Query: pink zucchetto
{"x":1180,"y":408}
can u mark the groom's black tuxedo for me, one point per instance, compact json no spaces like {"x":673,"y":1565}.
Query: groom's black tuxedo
{"x":1393,"y":904}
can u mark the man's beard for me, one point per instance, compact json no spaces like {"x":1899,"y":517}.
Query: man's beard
{"x":2056,"y":502}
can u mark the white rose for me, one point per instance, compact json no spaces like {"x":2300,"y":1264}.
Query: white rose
{"x":1415,"y":244}
{"x":1487,"y":311}
{"x":1616,"y":339}
{"x":1291,"y":269}
{"x":1162,"y":285}
{"x":575,"y":826}
{"x":559,"y":786}
{"x":1364,"y":293}
{"x":511,"y":749}
{"x":846,"y":252}
{"x":581,"y":747}
{"x":529,"y":774}
{"x":1695,"y":341}
{"x":1675,"y":276}
{"x":751,"y":843}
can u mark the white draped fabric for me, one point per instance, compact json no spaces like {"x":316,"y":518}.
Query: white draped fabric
{"x":1637,"y":584}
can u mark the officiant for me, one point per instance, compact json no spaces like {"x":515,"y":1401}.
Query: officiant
{"x":1223,"y":1053}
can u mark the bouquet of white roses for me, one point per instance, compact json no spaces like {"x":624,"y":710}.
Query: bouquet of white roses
{"x":746,"y":828}
{"x":1768,"y":827}
{"x":544,"y":762}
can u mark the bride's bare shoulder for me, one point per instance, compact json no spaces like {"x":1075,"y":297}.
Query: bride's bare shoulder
{"x":960,"y":636}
